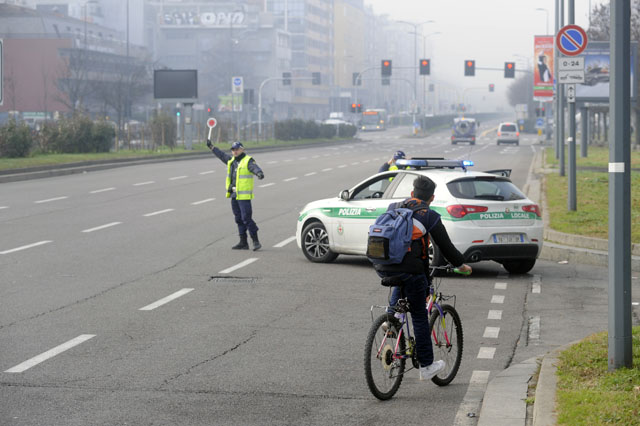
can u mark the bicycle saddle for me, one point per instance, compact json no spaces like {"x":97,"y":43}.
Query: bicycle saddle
{"x":392,"y":281}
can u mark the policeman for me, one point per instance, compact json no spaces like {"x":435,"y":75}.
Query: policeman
{"x":391,"y":164}
{"x":239,"y":184}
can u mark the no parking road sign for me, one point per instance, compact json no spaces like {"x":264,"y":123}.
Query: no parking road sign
{"x":571,"y":40}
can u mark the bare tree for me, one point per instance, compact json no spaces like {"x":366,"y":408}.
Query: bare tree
{"x":73,"y":79}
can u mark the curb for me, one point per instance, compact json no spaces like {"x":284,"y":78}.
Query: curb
{"x":504,"y":401}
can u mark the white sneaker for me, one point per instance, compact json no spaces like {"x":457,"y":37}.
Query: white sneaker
{"x":428,"y":372}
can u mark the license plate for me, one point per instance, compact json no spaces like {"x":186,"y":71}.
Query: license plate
{"x":508,"y":238}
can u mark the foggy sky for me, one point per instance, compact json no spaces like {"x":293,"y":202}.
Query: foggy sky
{"x":490,"y":31}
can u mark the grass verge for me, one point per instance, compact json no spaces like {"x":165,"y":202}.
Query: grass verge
{"x":56,"y":159}
{"x":588,"y":394}
{"x":591,"y":218}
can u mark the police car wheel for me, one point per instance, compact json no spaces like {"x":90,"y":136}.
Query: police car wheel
{"x":315,"y":244}
{"x":519,"y":266}
{"x":435,"y":258}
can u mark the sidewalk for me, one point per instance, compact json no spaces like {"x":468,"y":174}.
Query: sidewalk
{"x":504,"y":401}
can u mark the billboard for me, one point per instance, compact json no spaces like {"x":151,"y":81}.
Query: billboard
{"x":596,"y":72}
{"x":543,"y":70}
{"x":175,"y":84}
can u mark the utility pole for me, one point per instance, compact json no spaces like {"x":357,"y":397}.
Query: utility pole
{"x":572,"y":198}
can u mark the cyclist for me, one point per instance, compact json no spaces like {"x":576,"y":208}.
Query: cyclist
{"x":415,"y":265}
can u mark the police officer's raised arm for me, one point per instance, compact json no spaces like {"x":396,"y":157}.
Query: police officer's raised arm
{"x":223,"y":156}
{"x":255,"y":169}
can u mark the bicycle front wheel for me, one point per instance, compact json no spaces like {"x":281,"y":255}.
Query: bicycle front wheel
{"x":382,"y":368}
{"x":446,"y":335}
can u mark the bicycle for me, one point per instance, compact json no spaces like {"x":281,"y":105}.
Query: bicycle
{"x":390,"y":343}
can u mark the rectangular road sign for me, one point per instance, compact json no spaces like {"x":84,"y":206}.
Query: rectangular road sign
{"x":237,"y":84}
{"x":571,"y":93}
{"x":568,"y":76}
{"x":575,"y":63}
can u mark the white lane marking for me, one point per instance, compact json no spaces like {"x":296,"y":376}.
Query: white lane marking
{"x":4,"y":207}
{"x":101,"y":190}
{"x":366,"y":161}
{"x":302,"y":158}
{"x":49,"y":354}
{"x":311,"y":174}
{"x":288,"y":160}
{"x":39,"y":243}
{"x":315,"y":156}
{"x":289,"y":179}
{"x":534,"y":328}
{"x":491,"y":332}
{"x":50,"y":199}
{"x":479,"y":376}
{"x":342,"y":166}
{"x":495,"y":314}
{"x":267,"y":184}
{"x":178,"y":177}
{"x":355,"y":163}
{"x":149,"y":182}
{"x":195,"y":203}
{"x":635,"y":303}
{"x":97,"y":228}
{"x":272,"y":162}
{"x":327,"y":169}
{"x":285,"y":242}
{"x":486,"y":353}
{"x":207,"y":172}
{"x":496,"y":298}
{"x":500,"y":286}
{"x":535,"y":286}
{"x":239,"y":265}
{"x":158,"y":212}
{"x":166,"y":300}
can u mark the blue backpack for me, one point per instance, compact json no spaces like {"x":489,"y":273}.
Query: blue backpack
{"x":390,"y":236}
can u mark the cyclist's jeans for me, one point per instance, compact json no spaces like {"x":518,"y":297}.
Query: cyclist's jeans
{"x":415,"y":290}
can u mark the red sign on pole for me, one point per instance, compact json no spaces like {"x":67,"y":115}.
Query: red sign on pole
{"x":211,"y":123}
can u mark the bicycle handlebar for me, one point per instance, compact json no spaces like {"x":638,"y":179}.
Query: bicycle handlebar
{"x":450,"y":268}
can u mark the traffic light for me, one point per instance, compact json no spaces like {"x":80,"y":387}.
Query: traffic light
{"x":509,"y":70}
{"x":286,"y":79}
{"x":469,"y":68}
{"x":425,"y":67}
{"x":315,"y":78}
{"x":248,"y":97}
{"x":491,"y":87}
{"x":385,"y":69}
{"x":359,"y":108}
{"x":177,"y":113}
{"x":353,"y":107}
{"x":357,"y":79}
{"x":208,"y":109}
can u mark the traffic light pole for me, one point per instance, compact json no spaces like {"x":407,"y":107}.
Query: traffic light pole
{"x":572,"y":198}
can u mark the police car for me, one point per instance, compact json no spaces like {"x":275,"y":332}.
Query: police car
{"x":486,"y":215}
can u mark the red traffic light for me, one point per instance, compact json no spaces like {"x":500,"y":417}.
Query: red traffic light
{"x":509,"y":65}
{"x":425,"y":62}
{"x":209,"y":109}
{"x":386,"y":63}
{"x":469,"y":63}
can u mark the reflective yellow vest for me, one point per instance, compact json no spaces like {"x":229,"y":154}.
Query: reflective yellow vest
{"x":392,"y":168}
{"x":244,"y":179}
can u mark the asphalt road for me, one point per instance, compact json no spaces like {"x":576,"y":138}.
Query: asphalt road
{"x":88,"y":261}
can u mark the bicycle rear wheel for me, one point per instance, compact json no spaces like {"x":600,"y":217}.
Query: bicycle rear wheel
{"x":446,"y":335}
{"x":384,"y":373}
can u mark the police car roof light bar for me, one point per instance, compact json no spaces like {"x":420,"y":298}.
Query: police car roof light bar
{"x":419,"y":163}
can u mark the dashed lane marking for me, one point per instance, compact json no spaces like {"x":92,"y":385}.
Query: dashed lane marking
{"x":497,"y":298}
{"x":342,"y":166}
{"x":289,"y":179}
{"x":97,"y":191}
{"x":98,"y":228}
{"x":207,"y":172}
{"x":491,"y":332}
{"x":311,"y":173}
{"x":149,"y":182}
{"x":486,"y":353}
{"x":534,"y":328}
{"x":267,"y":184}
{"x":51,"y":199}
{"x":494,"y":314}
{"x":285,"y":242}
{"x":207,"y":200}
{"x":500,"y":286}
{"x":535,"y":284}
{"x":50,"y":354}
{"x":28,"y":246}
{"x":178,"y":177}
{"x":239,"y":265}
{"x":327,"y":169}
{"x":4,"y":207}
{"x":166,"y":300}
{"x":158,"y":212}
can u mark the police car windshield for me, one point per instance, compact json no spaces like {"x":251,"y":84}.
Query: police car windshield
{"x":485,"y":188}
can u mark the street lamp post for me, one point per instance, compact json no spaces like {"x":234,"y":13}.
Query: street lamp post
{"x":542,"y":9}
{"x":415,"y":61}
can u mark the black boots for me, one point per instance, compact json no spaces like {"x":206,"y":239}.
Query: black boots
{"x":242,"y":245}
{"x":256,"y":243}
